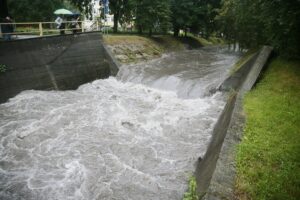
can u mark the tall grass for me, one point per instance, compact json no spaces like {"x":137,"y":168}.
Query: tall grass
{"x":268,"y":159}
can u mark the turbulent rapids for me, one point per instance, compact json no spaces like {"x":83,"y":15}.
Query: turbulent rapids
{"x":137,"y":136}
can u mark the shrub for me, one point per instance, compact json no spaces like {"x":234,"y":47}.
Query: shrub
{"x":191,"y":194}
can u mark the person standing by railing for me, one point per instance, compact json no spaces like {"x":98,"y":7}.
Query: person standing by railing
{"x":7,"y":28}
{"x":74,"y":24}
{"x":60,"y":25}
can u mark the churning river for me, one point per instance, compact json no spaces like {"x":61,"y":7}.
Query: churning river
{"x":136,"y":136}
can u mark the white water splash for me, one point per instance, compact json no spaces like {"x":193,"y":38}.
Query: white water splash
{"x":105,"y":140}
{"x":191,"y":74}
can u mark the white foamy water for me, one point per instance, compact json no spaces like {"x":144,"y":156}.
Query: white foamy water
{"x":191,"y":73}
{"x":109,"y":139}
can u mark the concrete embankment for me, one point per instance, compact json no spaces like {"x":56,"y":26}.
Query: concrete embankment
{"x":53,"y":63}
{"x":215,"y":172}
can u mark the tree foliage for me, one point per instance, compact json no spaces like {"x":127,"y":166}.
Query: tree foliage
{"x":84,"y":6}
{"x":255,"y":22}
{"x":33,"y":10}
{"x":122,"y":11}
{"x":195,"y":15}
{"x":36,"y":10}
{"x":249,"y":23}
{"x":152,"y":15}
{"x":3,"y":8}
{"x":182,"y":14}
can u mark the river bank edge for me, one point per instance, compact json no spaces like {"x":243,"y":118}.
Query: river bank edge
{"x":130,"y":49}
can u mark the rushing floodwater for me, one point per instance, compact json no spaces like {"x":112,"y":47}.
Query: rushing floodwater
{"x":138,"y":138}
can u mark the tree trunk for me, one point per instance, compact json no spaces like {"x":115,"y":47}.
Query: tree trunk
{"x":140,"y":29}
{"x":150,"y":32}
{"x":176,"y":31}
{"x":116,"y":21}
{"x":3,"y":9}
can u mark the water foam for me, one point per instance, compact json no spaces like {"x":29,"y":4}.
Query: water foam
{"x":108,"y":139}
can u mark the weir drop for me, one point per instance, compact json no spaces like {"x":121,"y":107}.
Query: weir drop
{"x":135,"y":136}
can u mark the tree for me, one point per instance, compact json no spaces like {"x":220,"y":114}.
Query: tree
{"x":182,"y":14}
{"x":3,"y":8}
{"x":281,"y":22}
{"x":122,"y":11}
{"x":152,"y":15}
{"x":226,"y":21}
{"x":204,"y":18}
{"x":196,"y":15}
{"x":33,"y":10}
{"x":257,"y":22}
{"x":84,"y":6}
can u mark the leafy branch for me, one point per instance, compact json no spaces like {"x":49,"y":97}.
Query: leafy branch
{"x":3,"y":68}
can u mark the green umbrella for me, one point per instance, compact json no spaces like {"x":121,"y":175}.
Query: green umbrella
{"x":63,"y":12}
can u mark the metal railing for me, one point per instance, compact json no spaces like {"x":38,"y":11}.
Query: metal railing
{"x":50,"y":28}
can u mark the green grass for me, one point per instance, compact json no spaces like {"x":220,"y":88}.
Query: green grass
{"x":161,"y":43}
{"x":168,"y":43}
{"x":144,"y":45}
{"x":208,"y":42}
{"x":153,"y":46}
{"x":191,"y":194}
{"x":268,"y":159}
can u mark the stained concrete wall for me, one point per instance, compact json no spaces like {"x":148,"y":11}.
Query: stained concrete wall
{"x":206,"y":166}
{"x":53,"y":63}
{"x":216,"y":171}
{"x":236,"y":80}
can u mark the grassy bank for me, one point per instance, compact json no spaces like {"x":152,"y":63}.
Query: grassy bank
{"x":268,"y":159}
{"x":135,"y":48}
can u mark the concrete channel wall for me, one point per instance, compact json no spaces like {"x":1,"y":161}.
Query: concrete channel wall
{"x":215,"y":173}
{"x":53,"y":63}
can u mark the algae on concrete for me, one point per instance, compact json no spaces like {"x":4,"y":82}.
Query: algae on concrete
{"x":134,"y":48}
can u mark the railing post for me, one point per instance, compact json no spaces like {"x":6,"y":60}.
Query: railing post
{"x":1,"y":31}
{"x":41,"y":28}
{"x":82,"y":28}
{"x":97,"y":25}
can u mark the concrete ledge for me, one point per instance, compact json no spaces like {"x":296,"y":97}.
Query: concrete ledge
{"x":53,"y":63}
{"x":206,"y":166}
{"x":216,"y":172}
{"x":113,"y":63}
{"x":235,"y":81}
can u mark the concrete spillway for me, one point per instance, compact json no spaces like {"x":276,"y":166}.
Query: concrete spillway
{"x":136,"y":136}
{"x":56,"y":62}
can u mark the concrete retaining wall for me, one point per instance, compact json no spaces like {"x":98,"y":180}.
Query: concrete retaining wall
{"x":215,"y":173}
{"x":206,"y":166}
{"x":57,"y":62}
{"x":236,"y":80}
